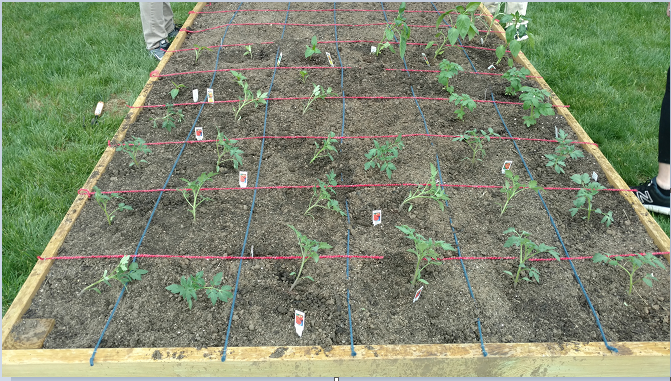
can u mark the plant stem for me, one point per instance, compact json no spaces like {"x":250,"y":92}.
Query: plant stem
{"x":298,"y":276}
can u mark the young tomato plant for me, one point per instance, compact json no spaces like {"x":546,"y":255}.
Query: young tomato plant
{"x":317,"y":93}
{"x":190,"y":284}
{"x":425,"y":249}
{"x":327,"y":145}
{"x":321,"y":192}
{"x":474,"y":142}
{"x":563,"y":151}
{"x":533,"y":99}
{"x":465,"y":26}
{"x":194,"y":187}
{"x":515,"y":77}
{"x":430,"y":190}
{"x":396,"y":28}
{"x":172,"y":116}
{"x":634,"y":263}
{"x":304,"y":75}
{"x":248,"y":51}
{"x":461,"y":101}
{"x":586,"y":194}
{"x":309,"y":249}
{"x":103,"y":200}
{"x":528,"y":249}
{"x":448,"y":70}
{"x":513,"y":26}
{"x":199,"y":50}
{"x":123,"y":273}
{"x":133,"y":148}
{"x":382,"y":156}
{"x":175,"y":90}
{"x":227,"y":146}
{"x":311,"y":49}
{"x":513,"y":187}
{"x":248,"y":95}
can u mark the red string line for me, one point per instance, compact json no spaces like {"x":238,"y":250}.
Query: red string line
{"x":255,"y":68}
{"x":83,"y":191}
{"x":550,"y":259}
{"x":208,"y":257}
{"x":469,"y":72}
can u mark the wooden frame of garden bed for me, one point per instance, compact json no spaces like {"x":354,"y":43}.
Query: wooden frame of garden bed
{"x":21,"y":356}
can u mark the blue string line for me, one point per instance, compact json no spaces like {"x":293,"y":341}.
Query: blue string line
{"x":151,"y":216}
{"x":458,"y":39}
{"x":575,"y":273}
{"x":251,"y":211}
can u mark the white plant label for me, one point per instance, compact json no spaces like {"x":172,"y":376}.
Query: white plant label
{"x":299,"y":322}
{"x":328,"y":55}
{"x":210,"y":96}
{"x":252,"y":251}
{"x":279,"y":59}
{"x":195,"y":95}
{"x":556,"y":133}
{"x":417,"y":294}
{"x":594,"y":176}
{"x":243,"y":179}
{"x":491,"y":67}
{"x":199,"y":133}
{"x":482,"y":42}
{"x":506,"y":166}
{"x":426,"y":59}
{"x":373,"y":49}
{"x":99,"y":108}
{"x":377,"y":217}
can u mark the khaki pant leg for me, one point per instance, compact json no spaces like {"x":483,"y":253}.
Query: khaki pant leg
{"x":492,"y":7}
{"x":154,"y":18}
{"x":517,"y":7}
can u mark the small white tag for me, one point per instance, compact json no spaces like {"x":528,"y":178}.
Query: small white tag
{"x":99,"y":108}
{"x":299,"y":322}
{"x":491,"y":67}
{"x":482,"y":42}
{"x":506,"y":166}
{"x":594,"y":176}
{"x":417,"y":294}
{"x":195,"y":95}
{"x":279,"y":59}
{"x":426,"y":59}
{"x":328,"y":55}
{"x":210,"y":96}
{"x":243,"y":179}
{"x":377,"y":217}
{"x":556,"y":133}
{"x":252,"y":251}
{"x":199,"y":133}
{"x":373,"y":49}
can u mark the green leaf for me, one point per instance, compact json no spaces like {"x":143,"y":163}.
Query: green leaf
{"x":213,"y":295}
{"x":508,"y":272}
{"x":647,"y":282}
{"x":422,"y":280}
{"x":515,"y":48}
{"x":309,"y":277}
{"x":216,"y":281}
{"x":175,"y":288}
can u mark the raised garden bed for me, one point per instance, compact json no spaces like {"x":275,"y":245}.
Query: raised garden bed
{"x":469,"y":308}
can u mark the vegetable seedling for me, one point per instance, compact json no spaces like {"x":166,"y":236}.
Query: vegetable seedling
{"x":133,"y":148}
{"x":430,"y":190}
{"x":103,"y":200}
{"x":248,"y":51}
{"x":327,"y":145}
{"x":304,"y":75}
{"x":123,"y":273}
{"x":309,"y":249}
{"x":512,"y":23}
{"x":382,"y":156}
{"x":425,"y":249}
{"x":226,"y":146}
{"x":465,"y":26}
{"x":528,"y":249}
{"x":199,"y":50}
{"x":249,"y":96}
{"x":448,"y":70}
{"x":194,"y":187}
{"x":513,"y":187}
{"x":189,"y":285}
{"x":635,"y":263}
{"x":461,"y":101}
{"x":175,"y":90}
{"x":321,"y":192}
{"x":533,"y":99}
{"x":586,"y":194}
{"x":563,"y":151}
{"x":172,"y":116}
{"x":474,"y":142}
{"x":312,"y":49}
{"x":317,"y":93}
{"x":515,"y":77}
{"x":396,"y":28}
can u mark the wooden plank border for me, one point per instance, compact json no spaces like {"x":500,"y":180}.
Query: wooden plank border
{"x":516,"y":359}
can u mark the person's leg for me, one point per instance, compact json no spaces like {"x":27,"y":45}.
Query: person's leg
{"x":517,"y":7}
{"x":663,"y":175}
{"x":168,"y":21}
{"x":492,"y":7}
{"x":153,"y":24}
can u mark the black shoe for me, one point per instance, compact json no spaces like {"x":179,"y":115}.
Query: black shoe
{"x":652,"y":198}
{"x":175,"y":31}
{"x":159,"y":52}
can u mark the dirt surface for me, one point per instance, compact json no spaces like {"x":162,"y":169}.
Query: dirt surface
{"x":378,"y":291}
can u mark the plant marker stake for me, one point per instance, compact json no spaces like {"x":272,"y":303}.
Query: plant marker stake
{"x":199,"y":133}
{"x":377,"y":217}
{"x":243,"y":179}
{"x":299,"y":322}
{"x":252,"y":251}
{"x":328,"y":55}
{"x":99,"y":108}
{"x":506,"y":166}
{"x":210,"y":96}
{"x":594,"y":176}
{"x":195,"y":95}
{"x":279,"y":59}
{"x":491,"y":67}
{"x":373,"y":49}
{"x":556,"y":133}
{"x":417,"y":294}
{"x":426,"y":59}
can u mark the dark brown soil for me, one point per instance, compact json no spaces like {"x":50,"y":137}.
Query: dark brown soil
{"x":378,"y":290}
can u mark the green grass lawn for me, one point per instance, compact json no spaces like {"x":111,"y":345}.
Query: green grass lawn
{"x":60,"y":59}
